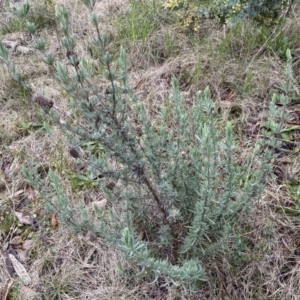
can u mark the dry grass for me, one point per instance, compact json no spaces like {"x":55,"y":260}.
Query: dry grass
{"x":265,"y":259}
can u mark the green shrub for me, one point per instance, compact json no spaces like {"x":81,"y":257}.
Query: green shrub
{"x":192,"y":12}
{"x":178,"y":184}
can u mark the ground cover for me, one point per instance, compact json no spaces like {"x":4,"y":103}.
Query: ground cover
{"x":243,"y":65}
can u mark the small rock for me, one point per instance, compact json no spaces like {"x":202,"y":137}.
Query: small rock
{"x":24,"y":219}
{"x":101,"y":203}
{"x":24,"y":50}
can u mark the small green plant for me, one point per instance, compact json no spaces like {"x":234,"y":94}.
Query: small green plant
{"x":81,"y":182}
{"x":40,"y":17}
{"x":15,"y":75}
{"x":179,"y":185}
{"x":277,"y":125}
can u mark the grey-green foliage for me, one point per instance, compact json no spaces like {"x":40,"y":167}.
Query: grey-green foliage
{"x":4,"y":56}
{"x":263,"y":11}
{"x":21,"y":11}
{"x":180,"y":184}
{"x":278,"y":118}
{"x":229,"y":11}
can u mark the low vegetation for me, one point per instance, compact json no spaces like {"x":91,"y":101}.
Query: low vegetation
{"x":149,"y":150}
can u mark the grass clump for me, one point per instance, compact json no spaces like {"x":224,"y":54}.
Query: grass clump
{"x":140,"y":21}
